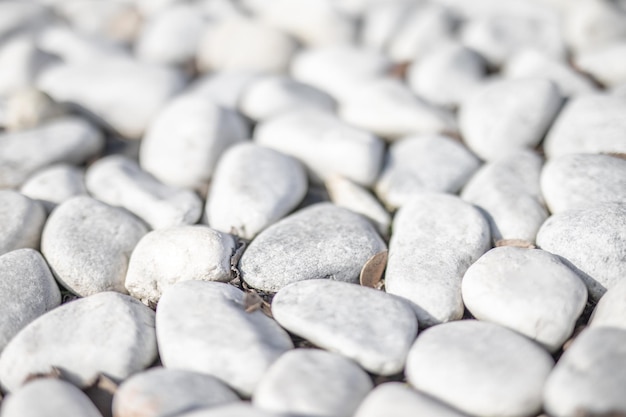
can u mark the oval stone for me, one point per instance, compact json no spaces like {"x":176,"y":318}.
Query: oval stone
{"x":21,"y":221}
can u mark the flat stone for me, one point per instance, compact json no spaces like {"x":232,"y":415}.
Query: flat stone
{"x":592,"y":123}
{"x":253,"y":187}
{"x":88,"y":243}
{"x":386,"y":107}
{"x":424,"y":163}
{"x":325,"y":144}
{"x":270,"y":96}
{"x":27,"y":290}
{"x":527,"y":290}
{"x":436,"y":237}
{"x":589,"y":376}
{"x":468,"y":363}
{"x":506,"y":116}
{"x":48,"y":397}
{"x":507,"y":191}
{"x":55,"y":184}
{"x":611,"y":309}
{"x":66,"y":140}
{"x":591,"y":241}
{"x":205,"y":327}
{"x":160,"y":392}
{"x":21,"y":221}
{"x":167,"y":256}
{"x":371,"y":327}
{"x":119,"y":181}
{"x":185,"y":140}
{"x":313,"y":382}
{"x":240,"y":43}
{"x":242,"y":409}
{"x":580,"y":180}
{"x":107,"y":333}
{"x":400,"y":400}
{"x":320,"y":241}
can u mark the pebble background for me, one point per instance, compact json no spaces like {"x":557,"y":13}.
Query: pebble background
{"x":312,"y":208}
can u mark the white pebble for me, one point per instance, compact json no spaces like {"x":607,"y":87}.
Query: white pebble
{"x":224,"y":88}
{"x":605,"y":64}
{"x":20,"y":62}
{"x":21,"y":221}
{"x":55,"y":184}
{"x":30,"y":108}
{"x":611,"y":309}
{"x":590,"y":24}
{"x":241,"y":409}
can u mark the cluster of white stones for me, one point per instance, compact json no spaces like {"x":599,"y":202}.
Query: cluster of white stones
{"x":312,"y":208}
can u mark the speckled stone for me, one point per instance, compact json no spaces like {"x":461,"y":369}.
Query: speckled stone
{"x":21,"y":221}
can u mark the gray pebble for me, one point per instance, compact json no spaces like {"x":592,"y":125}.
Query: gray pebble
{"x":164,"y":257}
{"x":591,"y":123}
{"x":48,"y":397}
{"x":69,"y":139}
{"x":371,"y":327}
{"x":508,"y":115}
{"x":88,"y":243}
{"x":119,"y":181}
{"x":400,"y":400}
{"x":21,"y":221}
{"x":107,"y":333}
{"x":507,"y":190}
{"x":320,"y":241}
{"x":313,"y":382}
{"x":253,"y":187}
{"x":204,"y":327}
{"x":611,"y":309}
{"x":592,"y":241}
{"x":160,"y":392}
{"x":436,"y":238}
{"x":325,"y":144}
{"x":468,"y":364}
{"x":590,"y":376}
{"x":55,"y":184}
{"x":27,"y":290}
{"x":527,"y":290}
{"x":424,"y":163}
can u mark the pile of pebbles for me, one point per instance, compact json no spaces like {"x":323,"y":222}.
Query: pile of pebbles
{"x":312,"y":208}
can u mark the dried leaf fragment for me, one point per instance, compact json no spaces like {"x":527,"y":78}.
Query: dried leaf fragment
{"x":372,"y":272}
{"x":517,"y":243}
{"x":54,"y":373}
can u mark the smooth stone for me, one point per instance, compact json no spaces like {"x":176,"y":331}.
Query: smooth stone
{"x":527,"y":290}
{"x":106,"y":333}
{"x":345,"y":193}
{"x":119,"y":181}
{"x":21,"y":221}
{"x":20,"y":62}
{"x":435,"y":238}
{"x":48,"y":397}
{"x":29,"y":108}
{"x":186,"y":139}
{"x":312,"y":382}
{"x":325,"y":144}
{"x":242,"y":409}
{"x":270,"y":96}
{"x":21,"y":16}
{"x":239,"y":43}
{"x":531,"y":63}
{"x":320,"y":241}
{"x":447,"y":75}
{"x":468,"y":363}
{"x":122,"y":94}
{"x":167,"y":256}
{"x":400,"y":400}
{"x":55,"y":184}
{"x":579,"y":180}
{"x":591,"y":24}
{"x":387,"y":108}
{"x":611,"y":309}
{"x":161,"y":392}
{"x":590,"y":376}
{"x":204,"y":327}
{"x":224,"y":88}
{"x":380,"y":22}
{"x":508,"y":115}
{"x":67,"y":140}
{"x":27,"y":290}
{"x":592,"y":241}
{"x":88,"y":243}
{"x":507,"y":191}
{"x":371,"y":327}
{"x":253,"y":187}
{"x":592,"y":123}
{"x":339,"y":70}
{"x":171,"y":37}
{"x":423,"y":163}
{"x":605,"y":64}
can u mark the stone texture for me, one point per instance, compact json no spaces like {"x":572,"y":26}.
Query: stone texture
{"x":55,"y":184}
{"x":106,"y":333}
{"x":371,"y":327}
{"x":21,"y":221}
{"x":88,"y":243}
{"x":611,"y":309}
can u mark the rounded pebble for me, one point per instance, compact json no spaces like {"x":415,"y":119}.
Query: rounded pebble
{"x":611,"y":309}
{"x":55,"y":184}
{"x":21,"y":221}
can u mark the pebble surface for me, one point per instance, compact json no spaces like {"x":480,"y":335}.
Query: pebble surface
{"x":21,"y":221}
